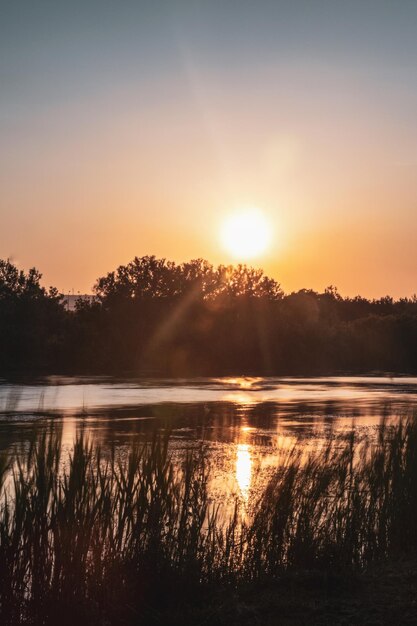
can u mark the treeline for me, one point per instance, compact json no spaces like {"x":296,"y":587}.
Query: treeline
{"x":153,"y":316}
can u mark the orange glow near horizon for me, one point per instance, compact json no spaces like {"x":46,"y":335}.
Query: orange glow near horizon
{"x":106,"y":156}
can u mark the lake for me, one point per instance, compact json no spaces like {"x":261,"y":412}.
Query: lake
{"x":248,"y":424}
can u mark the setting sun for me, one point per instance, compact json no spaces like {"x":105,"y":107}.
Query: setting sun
{"x":208,"y":312}
{"x":246,"y":234}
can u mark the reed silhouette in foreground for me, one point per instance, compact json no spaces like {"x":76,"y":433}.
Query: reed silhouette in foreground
{"x":110,"y":539}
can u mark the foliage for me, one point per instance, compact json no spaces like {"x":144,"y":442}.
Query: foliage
{"x":155,"y":316}
{"x":32,"y":320}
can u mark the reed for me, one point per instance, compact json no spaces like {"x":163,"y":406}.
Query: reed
{"x":110,"y":539}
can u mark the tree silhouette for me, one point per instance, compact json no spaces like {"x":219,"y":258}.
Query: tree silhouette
{"x":153,"y":316}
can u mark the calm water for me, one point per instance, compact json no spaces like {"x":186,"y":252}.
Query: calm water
{"x":247,"y":423}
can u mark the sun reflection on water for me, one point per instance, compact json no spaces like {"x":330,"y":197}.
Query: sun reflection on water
{"x":242,"y":382}
{"x":239,"y":397}
{"x":243,"y":468}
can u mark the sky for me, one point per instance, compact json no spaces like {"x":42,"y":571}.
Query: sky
{"x":130,"y":128}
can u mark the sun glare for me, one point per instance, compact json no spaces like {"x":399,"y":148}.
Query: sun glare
{"x":246,"y":234}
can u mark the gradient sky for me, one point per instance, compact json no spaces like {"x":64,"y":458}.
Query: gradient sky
{"x":131,"y":128}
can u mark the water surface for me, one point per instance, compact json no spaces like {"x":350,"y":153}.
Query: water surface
{"x":248,"y":424}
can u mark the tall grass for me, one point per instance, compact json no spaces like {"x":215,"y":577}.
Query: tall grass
{"x":104,"y":539}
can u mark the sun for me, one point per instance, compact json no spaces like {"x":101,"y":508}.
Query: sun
{"x":246,"y":234}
